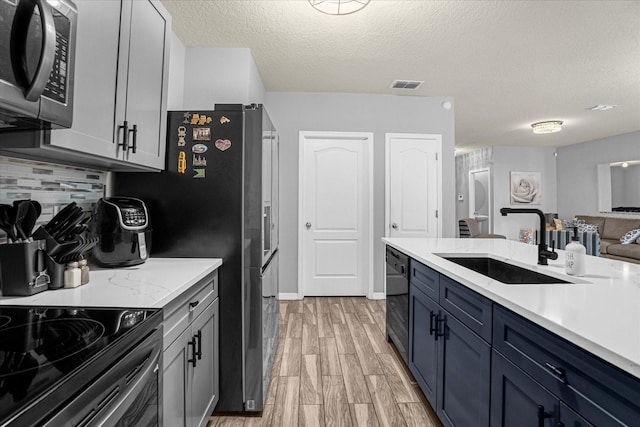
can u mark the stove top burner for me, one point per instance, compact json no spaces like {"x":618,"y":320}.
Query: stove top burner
{"x":42,"y":347}
{"x":56,"y":339}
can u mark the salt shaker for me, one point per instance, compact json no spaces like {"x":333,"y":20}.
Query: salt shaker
{"x":72,"y":275}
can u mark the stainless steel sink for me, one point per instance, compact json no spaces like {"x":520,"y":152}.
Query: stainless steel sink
{"x":502,"y":271}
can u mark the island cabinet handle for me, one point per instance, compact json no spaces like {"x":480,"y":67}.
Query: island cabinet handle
{"x":193,"y":304}
{"x":559,"y":372}
{"x":438,"y":333}
{"x":542,"y":415}
{"x":432,"y":327}
{"x":192,"y":344}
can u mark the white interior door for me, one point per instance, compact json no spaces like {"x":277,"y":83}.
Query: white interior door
{"x":480,"y":198}
{"x":413,"y":185}
{"x":335,"y":213}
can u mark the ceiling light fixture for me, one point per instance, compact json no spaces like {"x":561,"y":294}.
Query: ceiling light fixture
{"x":601,"y":107}
{"x":550,"y":126}
{"x":338,"y":7}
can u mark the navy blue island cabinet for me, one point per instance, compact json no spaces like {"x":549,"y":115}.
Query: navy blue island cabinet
{"x":480,"y":364}
{"x":448,"y":356}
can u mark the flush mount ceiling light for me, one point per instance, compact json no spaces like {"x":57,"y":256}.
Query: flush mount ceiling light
{"x":601,"y":107}
{"x":547,"y":127}
{"x":338,"y":7}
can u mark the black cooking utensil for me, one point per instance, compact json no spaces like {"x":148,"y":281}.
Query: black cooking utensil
{"x":7,"y":221}
{"x":22,"y":208}
{"x":59,"y":217}
{"x":28,"y":215}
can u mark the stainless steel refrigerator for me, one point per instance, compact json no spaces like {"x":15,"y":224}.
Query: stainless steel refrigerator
{"x":218,"y":197}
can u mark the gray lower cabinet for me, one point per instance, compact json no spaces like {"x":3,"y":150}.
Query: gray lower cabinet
{"x":480,"y":364}
{"x":121,"y":76}
{"x":450,"y":362}
{"x":190,"y":389}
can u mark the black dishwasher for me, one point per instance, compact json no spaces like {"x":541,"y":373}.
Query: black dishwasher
{"x":397,"y":292}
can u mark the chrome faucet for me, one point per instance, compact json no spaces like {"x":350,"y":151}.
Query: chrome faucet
{"x":543,"y":251}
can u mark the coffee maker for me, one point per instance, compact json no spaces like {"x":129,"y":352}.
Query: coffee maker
{"x":123,"y":227}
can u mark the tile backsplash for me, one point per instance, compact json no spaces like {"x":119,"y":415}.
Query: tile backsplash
{"x":53,"y":185}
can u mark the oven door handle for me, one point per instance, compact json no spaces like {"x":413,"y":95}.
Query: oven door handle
{"x":117,"y":408}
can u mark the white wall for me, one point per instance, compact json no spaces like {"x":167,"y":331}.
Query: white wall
{"x":522,"y":159}
{"x":577,"y":171}
{"x":177,"y":57}
{"x":221,"y":76}
{"x":295,"y":112}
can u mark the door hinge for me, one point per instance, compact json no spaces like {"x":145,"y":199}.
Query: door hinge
{"x":436,"y":213}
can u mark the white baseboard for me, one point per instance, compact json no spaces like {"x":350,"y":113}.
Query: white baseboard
{"x":282,"y":296}
{"x":378,"y":295}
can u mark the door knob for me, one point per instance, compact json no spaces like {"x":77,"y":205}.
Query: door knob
{"x":394,"y":226}
{"x":308,"y":225}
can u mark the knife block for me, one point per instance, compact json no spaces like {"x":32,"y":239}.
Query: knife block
{"x":22,"y":268}
{"x":56,"y":272}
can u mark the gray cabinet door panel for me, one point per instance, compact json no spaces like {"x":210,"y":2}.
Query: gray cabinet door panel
{"x":464,"y":366}
{"x":517,"y":400}
{"x":423,"y":348}
{"x":176,"y":388}
{"x":204,"y":376}
{"x":146,"y":83}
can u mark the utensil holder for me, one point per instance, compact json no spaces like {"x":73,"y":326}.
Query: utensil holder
{"x":56,"y":272}
{"x":22,"y":268}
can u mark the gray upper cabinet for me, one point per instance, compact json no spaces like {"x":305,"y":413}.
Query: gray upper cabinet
{"x":121,"y":77}
{"x":141,"y":99}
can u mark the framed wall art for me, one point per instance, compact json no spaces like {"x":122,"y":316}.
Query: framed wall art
{"x":525,"y":188}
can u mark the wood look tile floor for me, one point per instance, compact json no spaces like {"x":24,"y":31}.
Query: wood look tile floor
{"x":334,"y":367}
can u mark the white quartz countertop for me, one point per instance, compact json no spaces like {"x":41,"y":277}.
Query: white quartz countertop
{"x":600,"y":313}
{"x":150,"y":285}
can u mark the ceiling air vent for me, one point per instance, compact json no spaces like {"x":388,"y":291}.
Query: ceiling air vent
{"x":405,"y":84}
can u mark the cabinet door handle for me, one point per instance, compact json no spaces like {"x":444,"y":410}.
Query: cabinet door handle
{"x":542,"y":415}
{"x":439,"y":319}
{"x":125,"y":136}
{"x":193,"y":304}
{"x":199,"y":336}
{"x":134,"y":144}
{"x":432,"y":327}
{"x":559,"y":372}
{"x":192,"y":344}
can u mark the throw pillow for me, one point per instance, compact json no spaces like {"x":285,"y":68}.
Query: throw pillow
{"x":630,"y":237}
{"x":588,"y":228}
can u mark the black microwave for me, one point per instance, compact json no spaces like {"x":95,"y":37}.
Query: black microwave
{"x":37,"y":47}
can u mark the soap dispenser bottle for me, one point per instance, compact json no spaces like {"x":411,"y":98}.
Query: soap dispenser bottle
{"x":575,"y":256}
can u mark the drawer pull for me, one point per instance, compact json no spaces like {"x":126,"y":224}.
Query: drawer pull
{"x":193,"y":305}
{"x":559,"y":372}
{"x":542,"y":415}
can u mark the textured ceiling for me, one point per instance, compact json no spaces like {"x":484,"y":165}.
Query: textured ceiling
{"x":507,"y":64}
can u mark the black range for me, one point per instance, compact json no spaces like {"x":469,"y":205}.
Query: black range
{"x":68,"y":366}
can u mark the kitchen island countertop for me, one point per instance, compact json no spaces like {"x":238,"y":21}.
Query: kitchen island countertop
{"x":150,"y":285}
{"x":599,"y":312}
